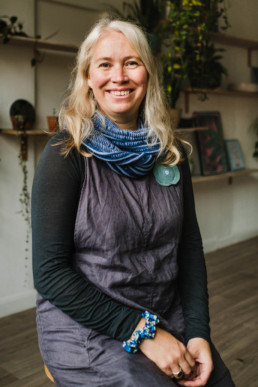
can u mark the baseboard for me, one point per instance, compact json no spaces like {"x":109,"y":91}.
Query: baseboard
{"x":215,"y":244}
{"x":17,"y":302}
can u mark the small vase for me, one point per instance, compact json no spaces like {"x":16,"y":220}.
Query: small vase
{"x":52,"y":123}
{"x":175,"y":115}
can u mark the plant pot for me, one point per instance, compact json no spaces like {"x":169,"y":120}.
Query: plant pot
{"x":52,"y":123}
{"x":21,"y":122}
{"x":175,"y":115}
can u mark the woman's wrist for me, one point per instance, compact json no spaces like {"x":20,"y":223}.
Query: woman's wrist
{"x":145,"y":329}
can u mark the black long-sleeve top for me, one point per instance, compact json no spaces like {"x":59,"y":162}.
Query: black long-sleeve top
{"x":55,"y":196}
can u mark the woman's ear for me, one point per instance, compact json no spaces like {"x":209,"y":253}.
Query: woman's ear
{"x":89,"y":83}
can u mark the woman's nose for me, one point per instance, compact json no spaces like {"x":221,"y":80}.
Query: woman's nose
{"x":119,"y":74}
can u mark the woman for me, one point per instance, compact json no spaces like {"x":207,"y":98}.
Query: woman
{"x":118,"y":261}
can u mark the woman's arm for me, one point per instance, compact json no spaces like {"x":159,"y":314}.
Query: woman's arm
{"x":192,"y":269}
{"x":55,"y":196}
{"x":193,"y":287}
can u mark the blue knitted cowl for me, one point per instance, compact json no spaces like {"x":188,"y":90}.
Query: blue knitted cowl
{"x":125,"y":151}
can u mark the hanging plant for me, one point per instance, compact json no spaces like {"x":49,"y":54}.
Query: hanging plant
{"x":24,"y":199}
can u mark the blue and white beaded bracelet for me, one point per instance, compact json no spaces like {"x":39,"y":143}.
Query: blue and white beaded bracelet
{"x":147,"y":332}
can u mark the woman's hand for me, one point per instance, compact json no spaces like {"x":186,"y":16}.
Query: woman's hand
{"x":168,"y":353}
{"x":201,"y":353}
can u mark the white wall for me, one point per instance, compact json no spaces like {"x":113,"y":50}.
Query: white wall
{"x":17,"y":82}
{"x":227,"y":213}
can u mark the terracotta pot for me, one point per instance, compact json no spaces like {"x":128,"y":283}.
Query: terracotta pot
{"x":52,"y":123}
{"x":20,"y":122}
{"x":175,"y":115}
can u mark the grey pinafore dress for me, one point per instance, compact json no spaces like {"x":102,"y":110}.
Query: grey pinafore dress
{"x":127,"y":233}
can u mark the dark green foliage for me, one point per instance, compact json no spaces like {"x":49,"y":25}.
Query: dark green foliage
{"x":24,"y":200}
{"x":206,"y":72}
{"x":10,"y":26}
{"x":145,"y":13}
{"x":188,"y":53}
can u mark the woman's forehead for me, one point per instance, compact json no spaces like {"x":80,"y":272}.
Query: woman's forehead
{"x":115,"y":40}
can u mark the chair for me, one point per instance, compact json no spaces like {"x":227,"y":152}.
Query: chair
{"x":47,"y":372}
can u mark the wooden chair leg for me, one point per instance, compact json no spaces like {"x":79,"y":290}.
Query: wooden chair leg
{"x":47,"y":372}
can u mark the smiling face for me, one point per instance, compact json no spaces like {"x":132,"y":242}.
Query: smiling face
{"x":118,"y":79}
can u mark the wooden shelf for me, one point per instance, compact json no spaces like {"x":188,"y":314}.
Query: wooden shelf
{"x":234,"y":41}
{"x":229,"y":93}
{"x":229,"y":40}
{"x":223,"y":176}
{"x":190,"y":130}
{"x":33,"y":132}
{"x":40,"y":44}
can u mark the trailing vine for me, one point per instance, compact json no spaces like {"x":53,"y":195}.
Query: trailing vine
{"x":24,"y":199}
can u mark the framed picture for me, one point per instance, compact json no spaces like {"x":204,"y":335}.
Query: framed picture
{"x":235,"y":155}
{"x":210,"y":142}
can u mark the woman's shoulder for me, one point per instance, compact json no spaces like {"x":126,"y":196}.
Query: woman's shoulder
{"x":53,"y":155}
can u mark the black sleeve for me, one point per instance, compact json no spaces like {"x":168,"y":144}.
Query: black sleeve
{"x":55,"y":195}
{"x":192,"y":268}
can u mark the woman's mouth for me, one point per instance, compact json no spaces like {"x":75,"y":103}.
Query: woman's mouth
{"x":120,"y":92}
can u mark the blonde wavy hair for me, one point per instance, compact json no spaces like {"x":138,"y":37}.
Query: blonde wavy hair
{"x":80,"y":105}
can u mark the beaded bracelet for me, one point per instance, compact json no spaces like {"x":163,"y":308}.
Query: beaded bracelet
{"x":147,"y":332}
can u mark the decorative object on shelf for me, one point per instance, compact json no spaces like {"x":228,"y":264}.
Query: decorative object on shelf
{"x":22,"y":115}
{"x":53,"y":122}
{"x":185,"y":32}
{"x":146,"y":13}
{"x":235,"y":155}
{"x":210,"y":143}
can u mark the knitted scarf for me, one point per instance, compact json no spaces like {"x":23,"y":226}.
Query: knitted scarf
{"x":125,"y":151}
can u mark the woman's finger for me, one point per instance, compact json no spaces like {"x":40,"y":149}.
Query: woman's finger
{"x":178,"y":374}
{"x":189,"y":358}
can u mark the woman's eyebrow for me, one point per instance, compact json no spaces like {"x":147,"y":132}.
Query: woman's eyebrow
{"x":107,"y":58}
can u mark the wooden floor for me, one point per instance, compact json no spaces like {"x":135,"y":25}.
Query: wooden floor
{"x":233,"y":288}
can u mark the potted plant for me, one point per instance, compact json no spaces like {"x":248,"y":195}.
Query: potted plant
{"x":186,"y":47}
{"x":11,"y":26}
{"x":207,"y":71}
{"x":52,"y":121}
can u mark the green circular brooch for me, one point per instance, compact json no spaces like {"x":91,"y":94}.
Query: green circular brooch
{"x":166,"y":175}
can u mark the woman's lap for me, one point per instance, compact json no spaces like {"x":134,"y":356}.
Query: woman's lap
{"x":77,"y":356}
{"x":110,"y":366}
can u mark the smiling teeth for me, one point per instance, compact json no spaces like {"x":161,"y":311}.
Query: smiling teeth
{"x":120,"y":92}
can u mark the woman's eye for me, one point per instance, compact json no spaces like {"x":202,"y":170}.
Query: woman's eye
{"x":132,"y":63}
{"x":104,"y":65}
